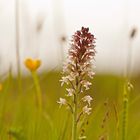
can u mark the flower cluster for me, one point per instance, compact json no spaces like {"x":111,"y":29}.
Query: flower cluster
{"x":77,"y":72}
{"x":78,"y":69}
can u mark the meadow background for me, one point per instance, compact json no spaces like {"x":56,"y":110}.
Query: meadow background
{"x":42,"y":29}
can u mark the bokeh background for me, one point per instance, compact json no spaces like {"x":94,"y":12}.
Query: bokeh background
{"x":43,"y":29}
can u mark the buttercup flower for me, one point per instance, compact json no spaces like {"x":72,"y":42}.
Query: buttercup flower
{"x":32,"y":64}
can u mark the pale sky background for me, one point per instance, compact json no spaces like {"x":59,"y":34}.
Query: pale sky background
{"x":109,"y":20}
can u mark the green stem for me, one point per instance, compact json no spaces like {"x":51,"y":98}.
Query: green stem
{"x":38,"y":90}
{"x":17,"y":42}
{"x":125,"y":114}
{"x":74,"y":127}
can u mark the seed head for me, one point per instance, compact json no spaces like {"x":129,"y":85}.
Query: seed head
{"x":133,"y":33}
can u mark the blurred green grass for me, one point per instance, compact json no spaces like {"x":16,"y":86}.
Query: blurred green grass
{"x":19,"y":116}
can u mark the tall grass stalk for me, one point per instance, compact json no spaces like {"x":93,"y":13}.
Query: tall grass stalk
{"x":17,"y":39}
{"x":38,"y":90}
{"x":127,"y":86}
{"x":125,"y":113}
{"x":117,"y":120}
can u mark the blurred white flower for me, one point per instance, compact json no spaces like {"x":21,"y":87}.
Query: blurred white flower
{"x":87,"y":99}
{"x":71,"y":77}
{"x":70,"y":91}
{"x":91,"y":74}
{"x":62,"y":101}
{"x":82,"y":137}
{"x":74,"y":74}
{"x":86,"y":84}
{"x":65,"y":67}
{"x":86,"y":110}
{"x":64,"y":80}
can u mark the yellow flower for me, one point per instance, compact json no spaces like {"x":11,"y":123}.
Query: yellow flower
{"x":31,"y":64}
{"x":1,"y":87}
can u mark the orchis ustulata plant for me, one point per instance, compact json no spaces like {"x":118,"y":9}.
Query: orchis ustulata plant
{"x":77,"y":72}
